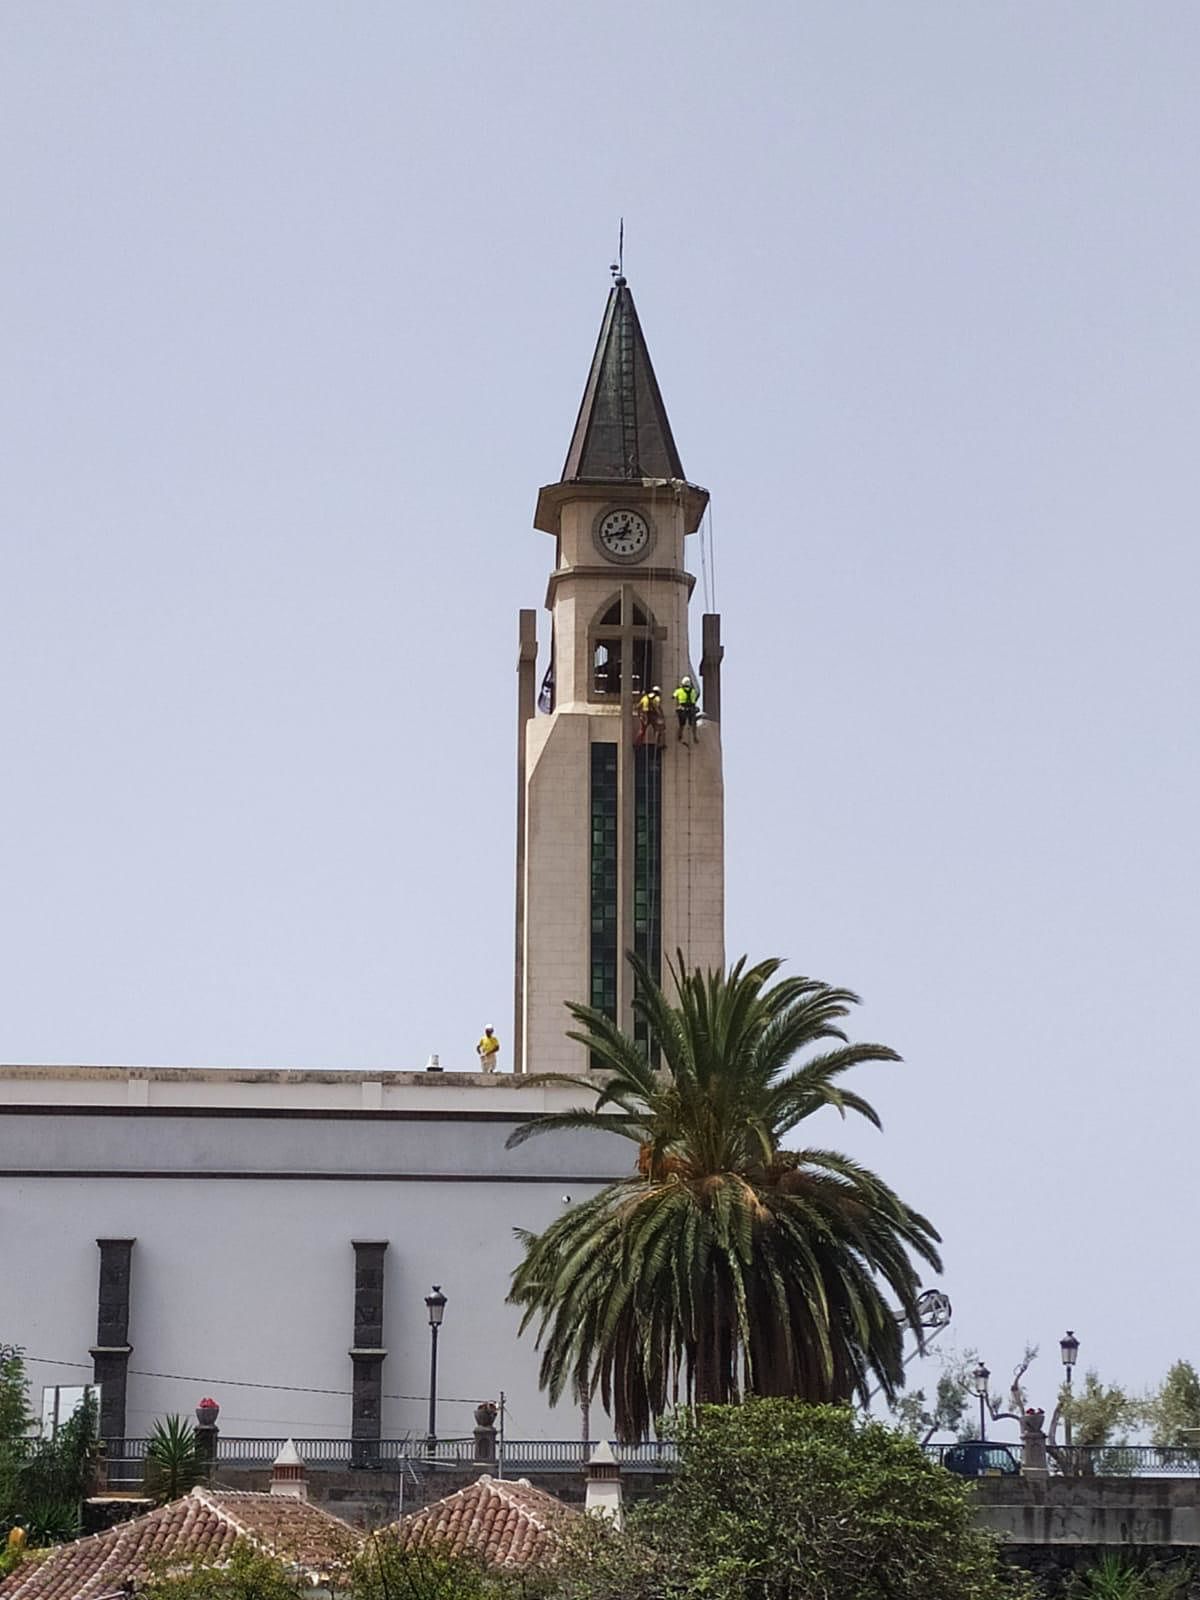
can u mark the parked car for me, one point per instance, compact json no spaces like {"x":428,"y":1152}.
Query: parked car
{"x":979,"y":1458}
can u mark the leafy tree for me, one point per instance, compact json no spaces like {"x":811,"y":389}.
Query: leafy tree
{"x":15,"y":1421}
{"x":1173,"y":1412}
{"x":386,"y":1570}
{"x":727,"y":1265}
{"x":599,"y":1563}
{"x":172,"y":1463}
{"x":949,"y":1408}
{"x":15,"y":1416}
{"x":382,"y":1570}
{"x":42,"y":1481}
{"x":247,"y":1574}
{"x":777,"y":1500}
{"x":1098,"y":1412}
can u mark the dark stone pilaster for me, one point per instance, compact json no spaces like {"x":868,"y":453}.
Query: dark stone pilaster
{"x":110,"y":1354}
{"x":710,"y":664}
{"x":485,"y":1431}
{"x":206,"y":1447}
{"x":367,"y":1353}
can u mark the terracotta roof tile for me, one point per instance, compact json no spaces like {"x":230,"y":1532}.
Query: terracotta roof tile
{"x":205,"y":1523}
{"x":507,"y":1523}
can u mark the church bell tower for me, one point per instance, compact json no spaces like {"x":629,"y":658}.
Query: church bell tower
{"x":620,"y":834}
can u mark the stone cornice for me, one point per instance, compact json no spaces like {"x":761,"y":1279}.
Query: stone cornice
{"x":614,"y":575}
{"x":547,"y":518}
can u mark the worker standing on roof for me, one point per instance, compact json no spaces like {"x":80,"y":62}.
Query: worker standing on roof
{"x":487,"y":1050}
{"x":687,"y":699}
{"x":651,"y":726}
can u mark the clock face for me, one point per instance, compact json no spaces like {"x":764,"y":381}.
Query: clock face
{"x":624,"y":534}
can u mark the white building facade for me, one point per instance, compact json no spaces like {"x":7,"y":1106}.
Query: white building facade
{"x":180,"y":1234}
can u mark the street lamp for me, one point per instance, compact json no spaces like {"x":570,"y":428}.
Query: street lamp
{"x":435,"y":1304}
{"x":1070,"y":1350}
{"x":979,"y":1382}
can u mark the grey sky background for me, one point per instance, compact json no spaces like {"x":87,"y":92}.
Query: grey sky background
{"x":298,"y":303}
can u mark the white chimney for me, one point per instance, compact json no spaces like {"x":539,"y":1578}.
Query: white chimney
{"x":289,"y":1473}
{"x":604,"y":1491}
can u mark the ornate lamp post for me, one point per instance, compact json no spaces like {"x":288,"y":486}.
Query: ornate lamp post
{"x":979,"y":1382}
{"x":1070,"y":1350}
{"x":435,"y":1304}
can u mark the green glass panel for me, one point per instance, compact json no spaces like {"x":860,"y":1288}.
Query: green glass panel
{"x":604,"y":878}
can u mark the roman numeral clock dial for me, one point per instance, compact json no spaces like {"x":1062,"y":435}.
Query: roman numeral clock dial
{"x":623,"y":535}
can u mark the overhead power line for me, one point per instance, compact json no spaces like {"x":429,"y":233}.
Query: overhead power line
{"x":244,"y":1383}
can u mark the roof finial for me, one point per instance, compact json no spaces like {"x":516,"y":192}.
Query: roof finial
{"x":617,"y":268}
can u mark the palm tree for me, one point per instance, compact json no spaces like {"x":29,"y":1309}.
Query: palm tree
{"x":726,"y":1264}
{"x":172,"y":1461}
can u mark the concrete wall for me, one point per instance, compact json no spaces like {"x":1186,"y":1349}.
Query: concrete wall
{"x":1091,"y":1511}
{"x":244,"y":1215}
{"x":693,"y":821}
{"x":558,"y":881}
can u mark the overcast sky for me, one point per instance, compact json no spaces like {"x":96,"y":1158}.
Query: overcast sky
{"x":298,"y":302}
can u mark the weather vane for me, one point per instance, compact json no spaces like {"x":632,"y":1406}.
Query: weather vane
{"x":617,"y":268}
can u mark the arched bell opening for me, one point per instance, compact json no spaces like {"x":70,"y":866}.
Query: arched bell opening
{"x":622,"y":649}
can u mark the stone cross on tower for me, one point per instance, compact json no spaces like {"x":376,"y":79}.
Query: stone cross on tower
{"x":619,"y":842}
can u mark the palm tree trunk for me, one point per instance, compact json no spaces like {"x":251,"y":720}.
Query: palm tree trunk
{"x":716,"y":1383}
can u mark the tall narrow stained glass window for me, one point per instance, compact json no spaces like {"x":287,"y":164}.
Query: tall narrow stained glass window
{"x":604,"y":953}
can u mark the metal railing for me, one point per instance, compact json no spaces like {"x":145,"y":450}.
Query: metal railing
{"x":1123,"y":1461}
{"x":560,"y":1454}
{"x":252,"y":1452}
{"x":126,"y":1458}
{"x":1095,"y":1461}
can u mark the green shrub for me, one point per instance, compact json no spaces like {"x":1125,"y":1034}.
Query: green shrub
{"x":1117,"y":1577}
{"x":777,"y":1500}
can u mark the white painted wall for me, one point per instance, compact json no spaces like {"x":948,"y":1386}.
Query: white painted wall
{"x":250,"y":1276}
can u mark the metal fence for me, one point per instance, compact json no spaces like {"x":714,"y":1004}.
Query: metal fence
{"x":547,"y":1455}
{"x":1124,"y":1461}
{"x":1096,"y":1461}
{"x":256,"y":1452}
{"x":126,"y":1458}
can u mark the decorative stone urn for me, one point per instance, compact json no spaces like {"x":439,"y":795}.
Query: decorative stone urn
{"x":207,"y":1412}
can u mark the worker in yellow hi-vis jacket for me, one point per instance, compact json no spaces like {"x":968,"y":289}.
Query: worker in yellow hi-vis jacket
{"x":687,"y":702}
{"x":651,"y":726}
{"x":487,"y":1050}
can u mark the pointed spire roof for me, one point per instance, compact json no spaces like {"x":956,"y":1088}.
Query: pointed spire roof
{"x":622,"y":431}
